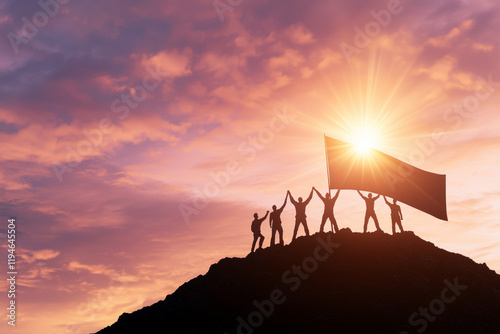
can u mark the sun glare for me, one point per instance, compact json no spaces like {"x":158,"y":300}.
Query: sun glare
{"x":364,"y":140}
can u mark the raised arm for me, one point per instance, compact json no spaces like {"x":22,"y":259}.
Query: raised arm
{"x":291,"y":197}
{"x":376,"y":197}
{"x":317,"y":192}
{"x":284,"y":203}
{"x":263,"y":218}
{"x":360,"y":194}
{"x":385,"y":199}
{"x":336,"y":195}
{"x":309,"y":198}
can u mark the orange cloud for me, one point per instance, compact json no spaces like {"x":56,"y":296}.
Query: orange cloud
{"x":289,"y":59}
{"x":482,"y":47}
{"x":41,"y":255}
{"x":444,"y":41}
{"x":299,"y":34}
{"x":100,"y":269}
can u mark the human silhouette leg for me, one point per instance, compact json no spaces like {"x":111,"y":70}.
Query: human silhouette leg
{"x":365,"y":227}
{"x":295,"y":229}
{"x":393,"y":226}
{"x":323,"y":221}
{"x":305,"y":227}
{"x":334,"y":222}
{"x":255,"y":237}
{"x":400,"y":225}
{"x":273,"y":233}
{"x":376,"y":221}
{"x":280,"y":232}
{"x":261,"y":240}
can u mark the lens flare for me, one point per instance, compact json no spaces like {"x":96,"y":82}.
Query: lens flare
{"x":364,"y":139}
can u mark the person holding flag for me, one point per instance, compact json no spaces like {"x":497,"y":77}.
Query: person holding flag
{"x":370,"y":211}
{"x":396,"y":215}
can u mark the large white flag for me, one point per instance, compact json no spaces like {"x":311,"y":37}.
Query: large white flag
{"x":382,"y":174}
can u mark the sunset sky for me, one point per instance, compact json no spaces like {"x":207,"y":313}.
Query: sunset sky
{"x":139,"y":137}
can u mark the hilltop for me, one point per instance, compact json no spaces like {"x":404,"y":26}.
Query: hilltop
{"x":331,"y":283}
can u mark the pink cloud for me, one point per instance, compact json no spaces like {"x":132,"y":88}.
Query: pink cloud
{"x":170,"y":63}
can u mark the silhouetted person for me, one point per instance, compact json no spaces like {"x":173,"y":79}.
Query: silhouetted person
{"x":256,"y":230}
{"x":370,"y":210}
{"x":300,"y":213}
{"x":275,"y":222}
{"x":328,"y":213}
{"x":396,"y":215}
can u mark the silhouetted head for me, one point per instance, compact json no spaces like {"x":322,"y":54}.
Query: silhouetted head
{"x":274,"y":207}
{"x":327,"y":195}
{"x":300,"y":199}
{"x":394,"y":201}
{"x":370,"y":195}
{"x":255,"y":215}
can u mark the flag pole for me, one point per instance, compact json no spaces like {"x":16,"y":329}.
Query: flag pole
{"x":328,"y":174}
{"x":327,"y":167}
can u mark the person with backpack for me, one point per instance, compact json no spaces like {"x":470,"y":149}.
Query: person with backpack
{"x":275,"y":222}
{"x":256,"y":223}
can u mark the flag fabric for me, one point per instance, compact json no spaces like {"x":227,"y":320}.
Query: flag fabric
{"x":383,"y":174}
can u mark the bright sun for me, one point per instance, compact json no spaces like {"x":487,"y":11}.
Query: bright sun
{"x":364,"y":140}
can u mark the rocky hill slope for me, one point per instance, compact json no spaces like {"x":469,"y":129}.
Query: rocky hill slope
{"x":331,"y":283}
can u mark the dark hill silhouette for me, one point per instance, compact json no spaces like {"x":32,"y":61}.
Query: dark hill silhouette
{"x":371,"y":283}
